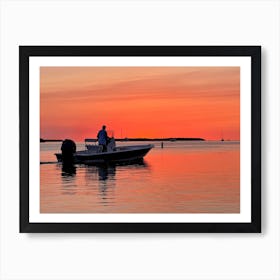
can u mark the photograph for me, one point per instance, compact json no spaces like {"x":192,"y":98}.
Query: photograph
{"x":139,"y":139}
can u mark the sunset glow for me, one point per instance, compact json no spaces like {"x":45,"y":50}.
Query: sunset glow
{"x":155,"y":102}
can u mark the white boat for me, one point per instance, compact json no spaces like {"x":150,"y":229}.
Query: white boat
{"x":93,"y":153}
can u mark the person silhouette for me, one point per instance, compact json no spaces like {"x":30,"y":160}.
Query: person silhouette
{"x":102,"y":138}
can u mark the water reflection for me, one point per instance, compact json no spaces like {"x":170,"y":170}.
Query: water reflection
{"x":106,"y":172}
{"x":68,"y":170}
{"x":101,"y":178}
{"x":68,"y":174}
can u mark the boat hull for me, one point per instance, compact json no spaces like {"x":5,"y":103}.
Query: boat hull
{"x":121,"y":155}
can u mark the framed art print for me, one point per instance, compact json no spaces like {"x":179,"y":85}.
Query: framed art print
{"x":140,"y":138}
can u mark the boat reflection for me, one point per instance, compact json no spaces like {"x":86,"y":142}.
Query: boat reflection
{"x":106,"y":172}
{"x":104,"y":178}
{"x":107,"y":176}
{"x":68,"y":177}
{"x":68,"y":170}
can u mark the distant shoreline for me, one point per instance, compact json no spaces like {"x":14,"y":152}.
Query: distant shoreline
{"x":160,"y":139}
{"x":50,"y":140}
{"x":136,"y":139}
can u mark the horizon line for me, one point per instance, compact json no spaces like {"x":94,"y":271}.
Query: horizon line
{"x":147,"y":139}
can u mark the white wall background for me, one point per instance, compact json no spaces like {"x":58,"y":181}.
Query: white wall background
{"x":138,"y":256}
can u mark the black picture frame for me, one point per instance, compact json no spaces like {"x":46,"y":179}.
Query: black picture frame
{"x":254,"y":52}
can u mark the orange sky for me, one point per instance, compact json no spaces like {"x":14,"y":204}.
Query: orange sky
{"x":140,"y":102}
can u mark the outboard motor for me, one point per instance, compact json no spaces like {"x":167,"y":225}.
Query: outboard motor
{"x":68,"y":149}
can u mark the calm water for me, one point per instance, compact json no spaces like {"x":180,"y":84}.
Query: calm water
{"x":183,"y":177}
